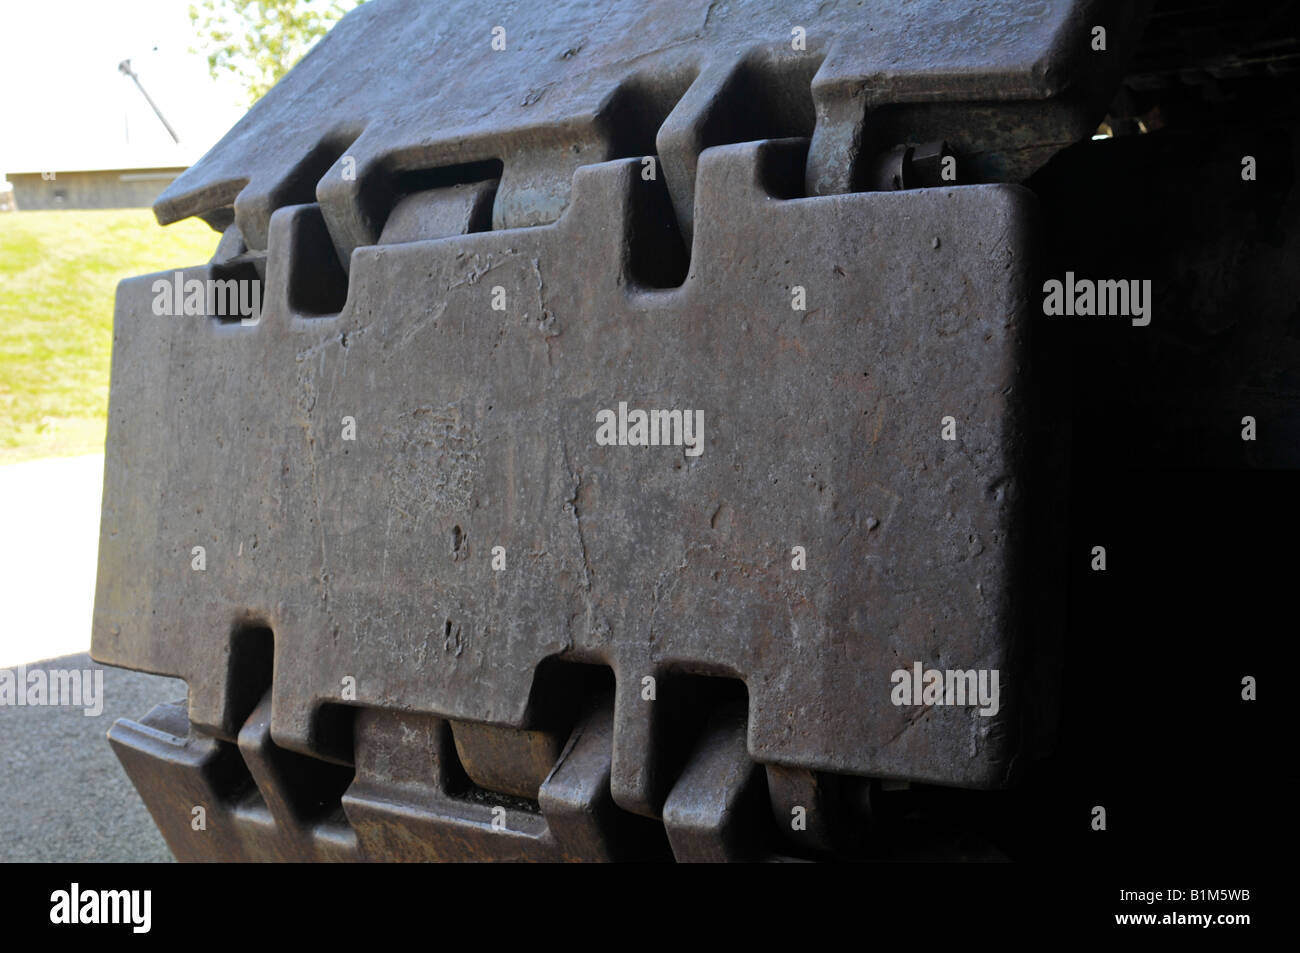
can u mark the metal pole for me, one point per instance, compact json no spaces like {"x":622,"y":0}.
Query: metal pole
{"x":125,"y":67}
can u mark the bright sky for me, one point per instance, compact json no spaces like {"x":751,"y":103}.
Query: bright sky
{"x":65,"y":106}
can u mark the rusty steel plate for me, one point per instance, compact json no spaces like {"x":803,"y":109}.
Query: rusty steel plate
{"x":425,"y":607}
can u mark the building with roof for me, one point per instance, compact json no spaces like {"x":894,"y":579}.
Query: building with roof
{"x":90,"y":188}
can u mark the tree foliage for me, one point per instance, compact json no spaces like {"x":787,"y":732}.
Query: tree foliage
{"x":258,"y":41}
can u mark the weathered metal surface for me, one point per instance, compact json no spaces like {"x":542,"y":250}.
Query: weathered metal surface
{"x":257,"y":802}
{"x":823,"y":430}
{"x":371,"y":559}
{"x":216,"y":801}
{"x":396,"y":668}
{"x":510,"y":760}
{"x":402,"y":85}
{"x":819,"y":812}
{"x":710,"y":814}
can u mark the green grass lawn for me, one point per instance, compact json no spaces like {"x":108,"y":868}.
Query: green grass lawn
{"x":58,"y":273}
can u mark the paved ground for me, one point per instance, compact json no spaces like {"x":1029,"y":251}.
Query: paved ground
{"x":63,"y":796}
{"x":49,"y":539}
